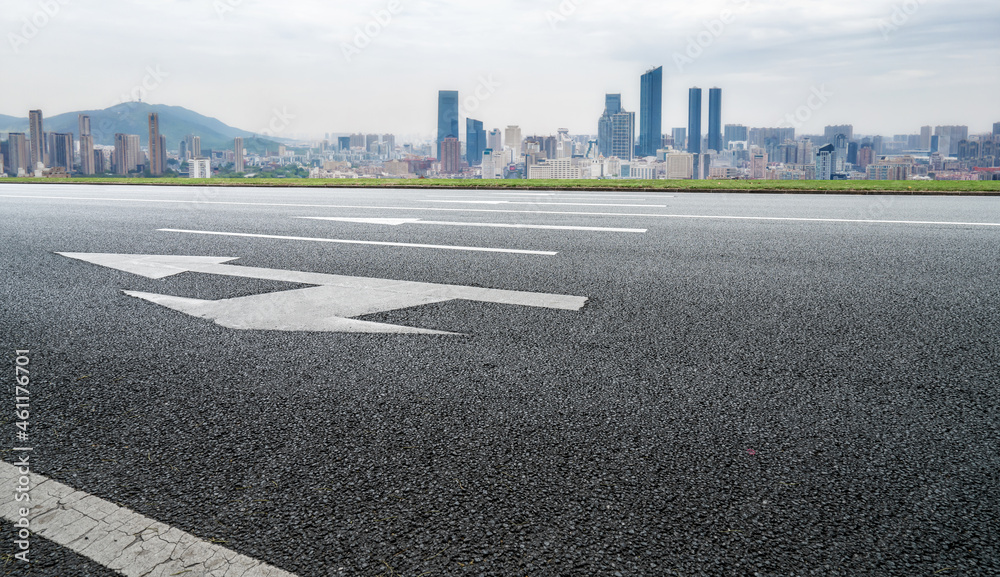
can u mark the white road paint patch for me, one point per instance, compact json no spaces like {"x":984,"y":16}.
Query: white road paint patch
{"x":326,"y":307}
{"x":399,"y":221}
{"x":484,"y":210}
{"x":370,"y":242}
{"x":496,"y":202}
{"x":118,"y":538}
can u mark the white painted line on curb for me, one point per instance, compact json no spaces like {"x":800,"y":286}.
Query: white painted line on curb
{"x":118,"y":538}
{"x":435,"y":209}
{"x":399,"y":221}
{"x":371,"y":242}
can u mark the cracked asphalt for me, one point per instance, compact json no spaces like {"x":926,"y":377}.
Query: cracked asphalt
{"x":738,"y":397}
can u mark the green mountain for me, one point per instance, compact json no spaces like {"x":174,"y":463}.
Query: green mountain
{"x":133,"y":118}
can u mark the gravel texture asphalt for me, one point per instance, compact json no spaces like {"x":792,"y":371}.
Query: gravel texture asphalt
{"x":738,"y":397}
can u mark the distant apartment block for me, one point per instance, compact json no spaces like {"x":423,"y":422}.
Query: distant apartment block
{"x":451,"y":155}
{"x":200,"y":168}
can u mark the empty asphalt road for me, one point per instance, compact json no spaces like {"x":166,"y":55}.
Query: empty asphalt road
{"x":432,"y":383}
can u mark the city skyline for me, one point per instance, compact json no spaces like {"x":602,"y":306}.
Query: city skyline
{"x":881,"y":64}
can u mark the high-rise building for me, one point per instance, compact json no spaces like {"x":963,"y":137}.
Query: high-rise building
{"x":86,"y":146}
{"x":680,"y":138}
{"x":715,"y":119}
{"x":61,"y":153}
{"x":157,"y":154}
{"x":18,"y":159}
{"x":369,"y":140}
{"x":447,"y":117}
{"x":650,"y":111}
{"x":475,"y":141}
{"x":925,"y":137}
{"x":512,"y":140}
{"x":451,"y":155}
{"x":612,"y":106}
{"x":758,"y":164}
{"x":239,"y":164}
{"x":826,"y":160}
{"x":494,"y":140}
{"x":996,"y":129}
{"x":38,"y":150}
{"x":200,"y":168}
{"x":734,"y":133}
{"x":344,"y":143}
{"x":389,"y":143}
{"x":623,"y":135}
{"x":694,"y":122}
{"x":830,"y":132}
{"x":183,"y":150}
{"x":128,"y":155}
{"x":950,"y":136}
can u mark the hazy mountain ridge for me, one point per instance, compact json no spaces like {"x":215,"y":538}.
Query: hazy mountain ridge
{"x":176,"y":122}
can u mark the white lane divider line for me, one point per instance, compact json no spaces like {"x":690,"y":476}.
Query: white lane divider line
{"x":562,"y":212}
{"x":399,"y":221}
{"x":371,"y":242}
{"x":118,"y":538}
{"x":548,"y":203}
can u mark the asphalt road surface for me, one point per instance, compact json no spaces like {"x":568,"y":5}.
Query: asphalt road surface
{"x":730,"y":384}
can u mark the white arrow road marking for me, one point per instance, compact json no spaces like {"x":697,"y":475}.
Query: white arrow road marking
{"x":118,"y":538}
{"x":399,"y":221}
{"x":546,"y":203}
{"x":374,"y":242}
{"x":326,"y":307}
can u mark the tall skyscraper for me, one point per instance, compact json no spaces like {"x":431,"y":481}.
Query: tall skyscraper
{"x":127,"y":155}
{"x":650,"y":111}
{"x":715,"y":119}
{"x":38,"y":151}
{"x":447,"y":117}
{"x":996,"y":129}
{"x":605,"y":125}
{"x":18,"y":154}
{"x":623,"y":135}
{"x":86,"y":146}
{"x":61,"y":154}
{"x":925,"y":137}
{"x":512,"y":140}
{"x":475,"y":141}
{"x":240,"y":164}
{"x":451,"y":155}
{"x":694,"y":121}
{"x":157,"y":156}
{"x":494,"y":140}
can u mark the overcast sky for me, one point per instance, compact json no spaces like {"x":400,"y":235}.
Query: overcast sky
{"x":886,"y":66}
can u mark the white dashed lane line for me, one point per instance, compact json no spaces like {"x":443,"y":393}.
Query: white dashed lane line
{"x":118,"y":538}
{"x":399,"y":221}
{"x":370,"y":242}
